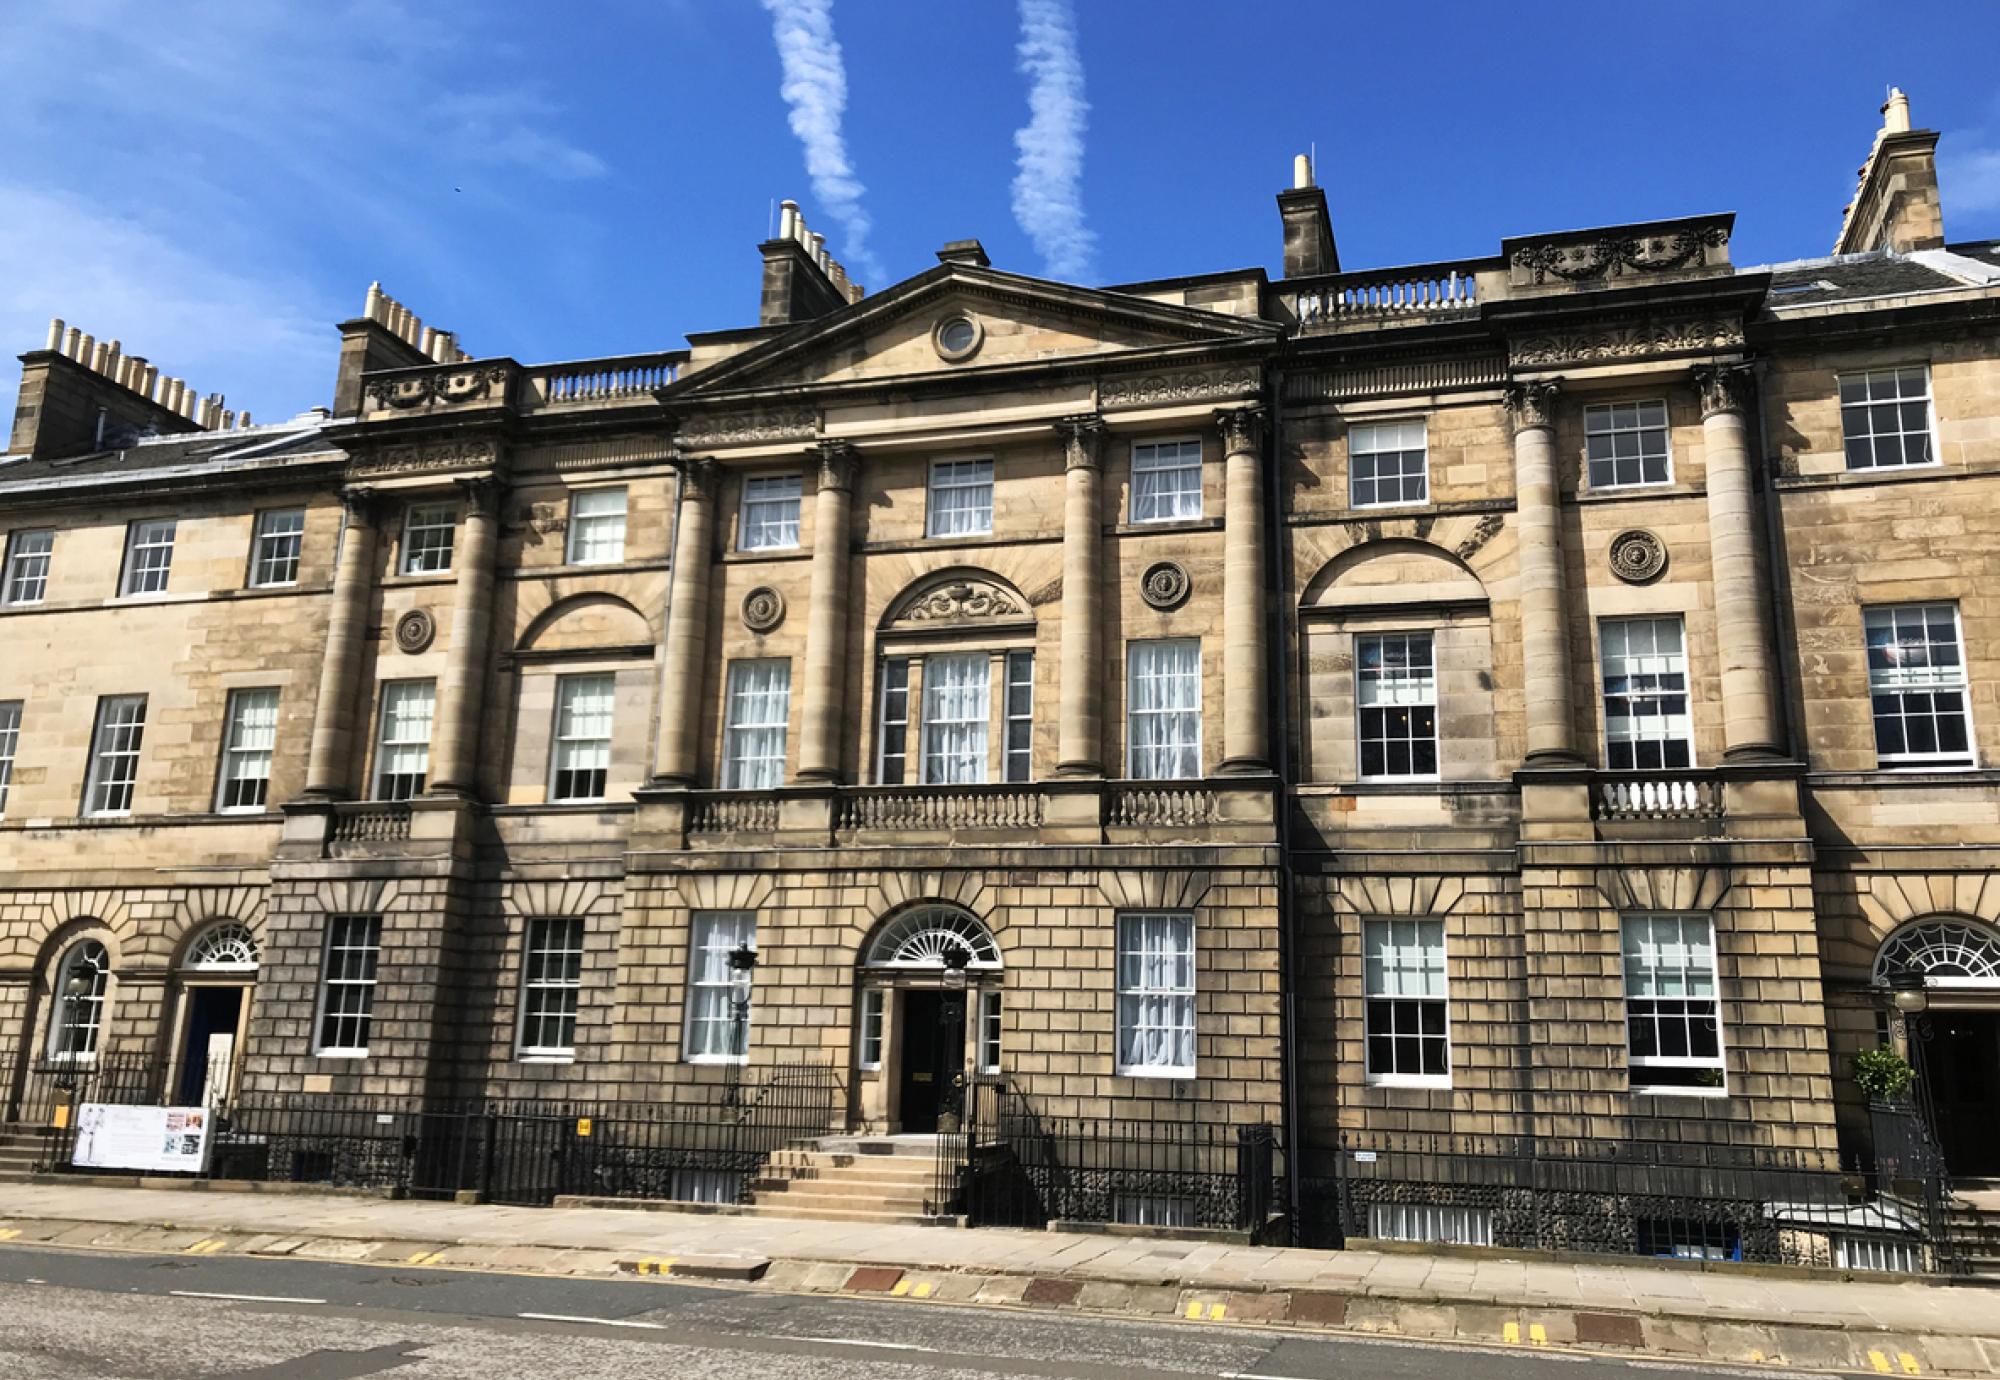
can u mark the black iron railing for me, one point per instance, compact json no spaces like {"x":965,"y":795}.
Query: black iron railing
{"x":1012,"y":1166}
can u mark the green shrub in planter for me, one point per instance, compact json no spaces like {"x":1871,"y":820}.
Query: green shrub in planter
{"x":1882,"y":1074}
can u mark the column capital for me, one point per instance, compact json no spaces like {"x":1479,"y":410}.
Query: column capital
{"x":362,"y":504}
{"x":482,"y":493}
{"x":1083,"y":441}
{"x":1241,"y":427}
{"x":700,"y":474}
{"x":1725,"y":388}
{"x":838,"y":463}
{"x":1531,"y":405}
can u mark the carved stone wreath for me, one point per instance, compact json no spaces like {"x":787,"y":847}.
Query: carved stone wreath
{"x":1164,"y":585}
{"x":961,"y":599}
{"x":1637,"y":556}
{"x":763,"y":609}
{"x":414,"y":631}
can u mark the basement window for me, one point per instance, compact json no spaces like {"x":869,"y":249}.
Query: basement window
{"x":1688,"y":1238}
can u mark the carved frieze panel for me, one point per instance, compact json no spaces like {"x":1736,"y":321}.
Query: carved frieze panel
{"x":1624,"y":340}
{"x":1190,"y":385}
{"x":745,"y":428}
{"x":1614,"y":255}
{"x":421,"y":457}
{"x":448,"y":387}
{"x":960,"y":601}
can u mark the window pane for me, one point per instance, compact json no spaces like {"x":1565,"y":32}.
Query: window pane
{"x":276,"y":558}
{"x":596,"y":526}
{"x":1917,"y":685}
{"x":26,"y":578}
{"x":551,"y":975}
{"x":252,"y":733}
{"x":1163,"y":710}
{"x":149,"y":556}
{"x":114,"y":765}
{"x":582,"y":750}
{"x":76,"y":1020}
{"x":957,"y":711}
{"x":1673,"y":1019}
{"x":760,"y":700}
{"x":1020,"y":715}
{"x":1166,"y":481}
{"x":1395,"y":683}
{"x":427,"y":534}
{"x":770,"y":512}
{"x":893,"y":738}
{"x":1626,"y":443}
{"x":10,"y":742}
{"x":403,"y":751}
{"x":718,"y":1003}
{"x":1885,"y":418}
{"x":1156,"y":993}
{"x":1647,"y":724}
{"x":347,"y":984}
{"x":961,"y":498}
{"x":1388,"y":462}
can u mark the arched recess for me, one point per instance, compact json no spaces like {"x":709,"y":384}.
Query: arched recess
{"x":954,"y":670}
{"x":920,"y":939}
{"x":928,"y":1016}
{"x":583,"y":678}
{"x":586,"y":622}
{"x":1397,"y":661}
{"x":1950,"y":952}
{"x":215,"y":979}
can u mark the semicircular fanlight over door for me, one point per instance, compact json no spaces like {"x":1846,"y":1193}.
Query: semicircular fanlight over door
{"x":921,"y":939}
{"x":225,"y":948}
{"x":1949,"y":953}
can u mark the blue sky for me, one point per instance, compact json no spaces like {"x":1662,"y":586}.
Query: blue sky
{"x":216,"y":182}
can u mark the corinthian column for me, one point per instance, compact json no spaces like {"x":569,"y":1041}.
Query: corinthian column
{"x":1080,"y":722}
{"x":687,"y":627}
{"x":826,"y":623}
{"x":1743,"y":622}
{"x":456,"y":770}
{"x":330,"y":766}
{"x":1246,"y":731}
{"x":1545,"y":665}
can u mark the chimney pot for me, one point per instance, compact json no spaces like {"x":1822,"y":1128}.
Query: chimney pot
{"x":72,"y":342}
{"x":1896,"y":112}
{"x":86,"y":350}
{"x":788,"y":219}
{"x":55,"y":334}
{"x":1302,"y":171}
{"x":243,"y":418}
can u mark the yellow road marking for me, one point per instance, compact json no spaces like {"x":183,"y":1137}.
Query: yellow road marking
{"x":902,"y":1288}
{"x":206,"y":1247}
{"x":1510,"y":1333}
{"x":923,"y":1291}
{"x":1879,"y":1361}
{"x":1194,"y":1311}
{"x":425,"y":1258}
{"x":1757,"y":1356}
{"x":9,"y":1233}
{"x":1215,"y":1312}
{"x":1538,"y":1334}
{"x":1909,"y":1363}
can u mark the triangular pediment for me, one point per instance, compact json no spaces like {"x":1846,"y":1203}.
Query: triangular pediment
{"x":913,"y":331}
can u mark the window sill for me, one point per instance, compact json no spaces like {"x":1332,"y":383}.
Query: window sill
{"x":1711,"y":1094}
{"x":1139,"y":526}
{"x":340,"y":1054}
{"x":720,"y":1060}
{"x":529,"y":1056}
{"x":1380,"y":507}
{"x":1421,"y":1081}
{"x":1178,"y":1075}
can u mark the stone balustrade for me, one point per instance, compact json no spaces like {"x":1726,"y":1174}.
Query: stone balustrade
{"x":1661,"y":796}
{"x":1155,"y":806}
{"x":595,"y":382}
{"x":723,"y":812}
{"x":1421,"y":292}
{"x":930,"y":808}
{"x":370,"y":821}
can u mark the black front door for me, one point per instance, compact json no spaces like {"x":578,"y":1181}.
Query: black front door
{"x":933,"y":1035}
{"x":1963,"y":1060}
{"x":211,"y":1011}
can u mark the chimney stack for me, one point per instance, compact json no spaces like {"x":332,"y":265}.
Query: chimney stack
{"x":801,"y":280}
{"x":80,"y":394}
{"x":1896,"y":205}
{"x":1309,"y":246}
{"x":387,"y":335}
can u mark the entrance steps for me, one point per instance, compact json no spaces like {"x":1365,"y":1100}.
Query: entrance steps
{"x":849,"y":1179}
{"x":20,"y":1148}
{"x":1975,"y":1222}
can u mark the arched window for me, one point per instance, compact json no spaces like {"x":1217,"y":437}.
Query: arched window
{"x":225,"y":948}
{"x":79,"y":1001}
{"x":1949,"y":953}
{"x":921,"y":938}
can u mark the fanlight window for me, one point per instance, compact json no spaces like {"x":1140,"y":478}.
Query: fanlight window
{"x":921,"y":938}
{"x":226,"y":948}
{"x":1949,"y":953}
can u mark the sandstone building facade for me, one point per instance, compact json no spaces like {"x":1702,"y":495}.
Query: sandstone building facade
{"x":1543,"y":695}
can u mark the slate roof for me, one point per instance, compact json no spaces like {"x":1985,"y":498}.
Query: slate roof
{"x":1851,"y":277}
{"x":255,"y":447}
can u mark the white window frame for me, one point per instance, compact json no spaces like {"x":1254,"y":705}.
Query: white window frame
{"x":1634,"y":697}
{"x":932,"y":726}
{"x":363,"y":987}
{"x":1165,"y":456}
{"x":874,"y":1001}
{"x":1133,"y":752}
{"x":1868,"y":379}
{"x":763,"y":521}
{"x":15,"y":574}
{"x":1929,"y":681}
{"x":122,"y":759}
{"x":705,"y":988}
{"x":149,"y":558}
{"x":1681,"y":973}
{"x":95,"y":1000}
{"x":247,"y":748}
{"x":277,"y":544}
{"x":1400,"y":685}
{"x":10,"y":745}
{"x":765,"y":770}
{"x":1441,"y":1224}
{"x":569,"y":745}
{"x":968,"y":474}
{"x":1017,"y":715}
{"x":1408,"y":933}
{"x":1132,"y":938}
{"x":986,"y":1032}
{"x":1608,"y":419}
{"x":561,"y":942}
{"x":586,"y":542}
{"x":428,"y":516}
{"x":892,"y":713}
{"x":385,"y":722}
{"x":1392,"y":429}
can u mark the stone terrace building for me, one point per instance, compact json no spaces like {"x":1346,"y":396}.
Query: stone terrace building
{"x":1542,"y":695}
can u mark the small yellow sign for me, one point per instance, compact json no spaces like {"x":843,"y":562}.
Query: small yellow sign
{"x":62,"y":1116}
{"x":583,"y":1125}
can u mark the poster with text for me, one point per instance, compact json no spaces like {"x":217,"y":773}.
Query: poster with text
{"x":150,"y":1140}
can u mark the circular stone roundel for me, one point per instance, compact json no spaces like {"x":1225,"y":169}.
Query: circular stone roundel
{"x":1637,"y":556}
{"x":414,"y":630}
{"x":763,"y":609}
{"x":1164,"y":585}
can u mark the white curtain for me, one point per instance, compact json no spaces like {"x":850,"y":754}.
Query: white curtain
{"x":1166,"y":481}
{"x":1156,"y":992}
{"x":713,"y":1028}
{"x":1163,"y":709}
{"x":957,"y":709}
{"x":760,"y":702}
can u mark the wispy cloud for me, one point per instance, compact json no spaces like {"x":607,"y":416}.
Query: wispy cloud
{"x":815,"y":87}
{"x":1048,"y":193}
{"x":1969,"y":179}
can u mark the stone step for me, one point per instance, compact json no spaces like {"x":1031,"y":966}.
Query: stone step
{"x":824,"y":1214}
{"x":857,"y":1202}
{"x":885,"y":1147}
{"x":802,"y":1191}
{"x":871,"y":1173}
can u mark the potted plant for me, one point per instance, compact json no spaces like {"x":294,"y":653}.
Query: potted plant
{"x":1883,"y":1075}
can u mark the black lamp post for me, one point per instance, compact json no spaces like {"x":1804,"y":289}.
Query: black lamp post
{"x":1910,"y":1001}
{"x":742,"y":965}
{"x":951,"y":1016}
